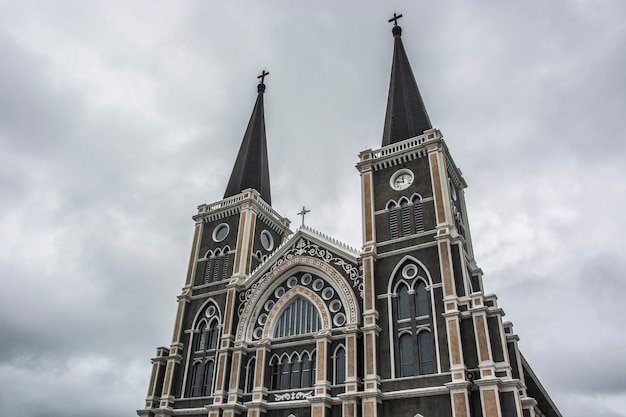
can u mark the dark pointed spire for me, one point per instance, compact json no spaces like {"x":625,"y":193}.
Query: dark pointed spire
{"x":251,"y":167}
{"x":406,"y":115}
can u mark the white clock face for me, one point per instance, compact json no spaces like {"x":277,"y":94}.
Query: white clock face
{"x":401,"y":179}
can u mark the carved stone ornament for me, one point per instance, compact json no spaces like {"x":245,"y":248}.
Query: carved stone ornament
{"x":304,"y":252}
{"x":291,"y":396}
{"x":305,"y":248}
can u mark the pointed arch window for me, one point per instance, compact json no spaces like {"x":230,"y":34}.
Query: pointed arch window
{"x":404,"y":302}
{"x":275,"y":382}
{"x":406,"y":218}
{"x":207,"y":380}
{"x":285,"y":369}
{"x":296,"y":364}
{"x":418,"y":216}
{"x":406,"y":355}
{"x":393,"y":220}
{"x":414,"y":345}
{"x":208,"y":268}
{"x":217,"y":265}
{"x":201,"y":341}
{"x":225,"y":264}
{"x":196,"y":377}
{"x":426,"y":352}
{"x":250,"y":368}
{"x":305,"y":374}
{"x":300,"y":317}
{"x":340,"y":365}
{"x":422,"y":300}
{"x":212,"y":335}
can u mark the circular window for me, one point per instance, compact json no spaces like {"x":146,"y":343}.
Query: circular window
{"x":210,"y":312}
{"x":220,"y":232}
{"x":293,"y":281}
{"x":258,"y":332}
{"x":267,"y":241}
{"x":262,"y":319}
{"x":318,"y":284}
{"x":409,"y":271}
{"x":269,"y":305}
{"x":306,"y":279}
{"x":335,"y":306}
{"x":279,"y":292}
{"x":340,"y":319}
{"x":328,"y":293}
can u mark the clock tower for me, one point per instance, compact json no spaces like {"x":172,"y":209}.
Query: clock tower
{"x":427,"y":321}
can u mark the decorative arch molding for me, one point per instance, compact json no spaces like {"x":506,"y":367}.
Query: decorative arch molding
{"x":200,"y":314}
{"x":423,"y":275}
{"x":298,"y":291}
{"x":304,"y":249}
{"x":420,"y":198}
{"x":252,"y":299}
{"x":402,"y":261}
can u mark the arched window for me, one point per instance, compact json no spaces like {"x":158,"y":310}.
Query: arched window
{"x":216,"y":267}
{"x":207,"y":380}
{"x":340,"y":365}
{"x":305,"y":374}
{"x":201,"y":341}
{"x":275,"y":381}
{"x":218,"y":263}
{"x":422,"y":301}
{"x":225,"y":263}
{"x":404,"y":302}
{"x":393,"y":220}
{"x":212,"y":335}
{"x":285,"y":369}
{"x":406,"y":218}
{"x":414,"y":344}
{"x":406,"y":355}
{"x":208,"y":268}
{"x":418,"y":217}
{"x":250,"y":370}
{"x":296,"y":364}
{"x":426,"y":352}
{"x":300,"y":317}
{"x":194,"y":390}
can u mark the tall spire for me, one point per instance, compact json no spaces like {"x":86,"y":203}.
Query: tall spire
{"x":251,"y":167}
{"x":406,"y":115}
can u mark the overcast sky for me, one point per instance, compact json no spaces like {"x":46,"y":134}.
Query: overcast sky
{"x":118,"y":118}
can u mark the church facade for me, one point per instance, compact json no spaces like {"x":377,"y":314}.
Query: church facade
{"x":277,"y":323}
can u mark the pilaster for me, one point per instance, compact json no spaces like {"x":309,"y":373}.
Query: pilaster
{"x":320,"y":402}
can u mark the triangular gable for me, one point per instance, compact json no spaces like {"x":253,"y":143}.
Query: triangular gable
{"x":308,"y":242}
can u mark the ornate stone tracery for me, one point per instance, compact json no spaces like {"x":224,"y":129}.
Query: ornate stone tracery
{"x":304,"y":253}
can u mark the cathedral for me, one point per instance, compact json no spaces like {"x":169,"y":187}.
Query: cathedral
{"x":273,"y":322}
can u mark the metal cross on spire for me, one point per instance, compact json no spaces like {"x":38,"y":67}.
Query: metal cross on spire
{"x":303,"y":213}
{"x":263,"y":75}
{"x":395,"y":18}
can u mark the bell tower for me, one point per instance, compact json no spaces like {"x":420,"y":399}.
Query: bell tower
{"x":231,"y":238}
{"x":425,"y":313}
